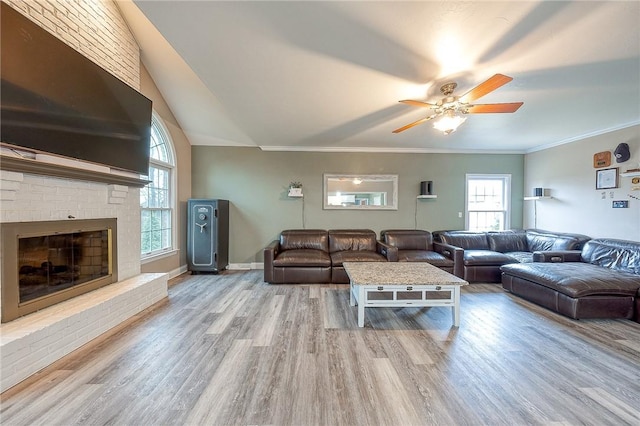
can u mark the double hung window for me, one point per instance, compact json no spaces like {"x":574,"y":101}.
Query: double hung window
{"x":488,"y":201}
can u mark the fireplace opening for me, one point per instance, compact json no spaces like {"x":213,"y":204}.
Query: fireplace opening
{"x":45,"y":263}
{"x":53,"y":263}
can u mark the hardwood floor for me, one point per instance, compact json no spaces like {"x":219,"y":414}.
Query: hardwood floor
{"x":230,"y":349}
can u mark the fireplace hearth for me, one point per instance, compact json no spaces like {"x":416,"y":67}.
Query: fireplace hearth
{"x":45,"y":263}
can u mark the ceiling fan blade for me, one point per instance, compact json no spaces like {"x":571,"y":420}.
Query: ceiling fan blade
{"x":494,"y":108}
{"x":488,"y":86}
{"x":418,"y":103}
{"x":415,"y":123}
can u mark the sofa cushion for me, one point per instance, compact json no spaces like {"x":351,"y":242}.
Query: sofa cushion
{"x":581,"y":239}
{"x":576,"y":279}
{"x":337,"y":258}
{"x":408,"y":239}
{"x":316,"y":239}
{"x":432,"y":257}
{"x":615,"y":254}
{"x":546,"y":242}
{"x":485,"y":258}
{"x":302,"y":257}
{"x":465,"y":239}
{"x":507,"y":241}
{"x":521,"y":256}
{"x":352,"y":239}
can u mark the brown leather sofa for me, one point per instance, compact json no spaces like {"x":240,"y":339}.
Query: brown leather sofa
{"x":316,"y":256}
{"x":298,"y":256}
{"x":600,"y":281}
{"x":485,"y":252}
{"x":414,"y":245}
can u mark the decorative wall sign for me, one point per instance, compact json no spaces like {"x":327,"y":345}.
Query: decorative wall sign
{"x":602,"y":159}
{"x":607,"y":178}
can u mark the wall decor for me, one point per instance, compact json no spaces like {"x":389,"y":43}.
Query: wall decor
{"x":622,"y":153}
{"x":602,"y":159}
{"x":607,"y":178}
{"x":360,"y":192}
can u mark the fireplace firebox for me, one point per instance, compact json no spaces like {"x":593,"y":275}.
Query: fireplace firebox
{"x":44,"y":263}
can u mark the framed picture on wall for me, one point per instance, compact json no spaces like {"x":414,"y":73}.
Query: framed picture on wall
{"x":607,"y":178}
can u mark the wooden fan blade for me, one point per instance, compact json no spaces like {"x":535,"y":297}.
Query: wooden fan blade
{"x":488,"y":86}
{"x":418,"y":103}
{"x":415,"y":123}
{"x":494,"y":108}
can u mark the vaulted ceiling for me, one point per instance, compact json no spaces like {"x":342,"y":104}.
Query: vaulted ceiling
{"x":329,"y":75}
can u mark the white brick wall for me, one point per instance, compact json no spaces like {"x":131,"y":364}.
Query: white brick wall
{"x":28,"y":344}
{"x":96,"y":29}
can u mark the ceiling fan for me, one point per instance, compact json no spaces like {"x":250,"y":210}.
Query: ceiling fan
{"x":448,"y":109}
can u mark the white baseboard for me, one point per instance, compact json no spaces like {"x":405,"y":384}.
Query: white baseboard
{"x":178,"y":271}
{"x":245,"y":266}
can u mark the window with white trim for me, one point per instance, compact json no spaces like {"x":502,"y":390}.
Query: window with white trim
{"x":157,"y":201}
{"x":488,"y":201}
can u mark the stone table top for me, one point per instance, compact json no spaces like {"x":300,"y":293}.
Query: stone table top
{"x":399,"y":273}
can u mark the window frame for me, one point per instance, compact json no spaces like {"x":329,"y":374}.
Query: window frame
{"x":157,"y":125}
{"x":506,"y":186}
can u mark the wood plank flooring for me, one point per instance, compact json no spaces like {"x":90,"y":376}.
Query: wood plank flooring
{"x":230,"y":349}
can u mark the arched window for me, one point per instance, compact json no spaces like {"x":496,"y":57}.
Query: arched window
{"x":157,"y":200}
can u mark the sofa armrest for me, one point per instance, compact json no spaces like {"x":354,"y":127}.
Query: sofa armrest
{"x":454,"y":253}
{"x":270,"y":252}
{"x":388,"y":251}
{"x":555,"y":256}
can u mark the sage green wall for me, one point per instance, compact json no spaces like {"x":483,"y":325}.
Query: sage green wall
{"x":255,"y":182}
{"x":567,"y":170}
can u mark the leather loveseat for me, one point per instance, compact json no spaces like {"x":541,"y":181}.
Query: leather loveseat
{"x":316,"y":256}
{"x":600,"y":281}
{"x":414,"y":245}
{"x":485,"y":252}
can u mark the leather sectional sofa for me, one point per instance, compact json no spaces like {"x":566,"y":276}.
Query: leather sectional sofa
{"x":567,"y":273}
{"x":600,"y":281}
{"x":316,"y":256}
{"x":485,"y":252}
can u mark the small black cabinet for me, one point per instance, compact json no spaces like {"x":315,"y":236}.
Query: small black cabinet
{"x":207,"y":235}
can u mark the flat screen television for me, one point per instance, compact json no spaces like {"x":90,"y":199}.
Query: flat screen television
{"x":55,"y":100}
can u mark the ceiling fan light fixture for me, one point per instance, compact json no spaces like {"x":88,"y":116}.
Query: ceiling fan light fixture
{"x":449,"y":122}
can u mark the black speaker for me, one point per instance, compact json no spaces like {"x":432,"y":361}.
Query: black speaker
{"x":426,"y":187}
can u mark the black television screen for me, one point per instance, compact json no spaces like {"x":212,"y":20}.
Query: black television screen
{"x":56,"y":100}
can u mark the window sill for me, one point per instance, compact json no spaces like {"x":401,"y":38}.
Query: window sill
{"x":157,"y":256}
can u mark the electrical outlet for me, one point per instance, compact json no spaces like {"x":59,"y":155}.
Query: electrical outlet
{"x":459,"y":214}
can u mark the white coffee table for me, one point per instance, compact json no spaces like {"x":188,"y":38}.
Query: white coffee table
{"x":402,"y":284}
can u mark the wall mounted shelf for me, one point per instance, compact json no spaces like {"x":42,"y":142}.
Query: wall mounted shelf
{"x":544,"y":197}
{"x":630,"y":174}
{"x":426,"y":197}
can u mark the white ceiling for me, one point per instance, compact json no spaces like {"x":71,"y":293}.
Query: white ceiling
{"x":329,"y":75}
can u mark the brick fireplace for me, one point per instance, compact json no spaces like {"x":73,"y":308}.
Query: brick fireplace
{"x":45,"y":263}
{"x":31,"y":342}
{"x":40,"y":193}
